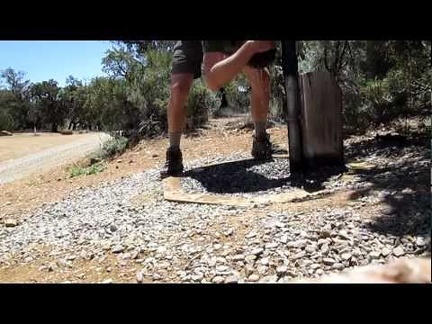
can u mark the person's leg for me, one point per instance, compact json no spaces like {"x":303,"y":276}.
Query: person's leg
{"x":220,"y":68}
{"x":186,"y":67}
{"x":179,"y":90}
{"x":260,"y":100}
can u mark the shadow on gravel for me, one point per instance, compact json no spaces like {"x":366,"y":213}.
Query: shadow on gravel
{"x":404,"y":187}
{"x":234,"y":177}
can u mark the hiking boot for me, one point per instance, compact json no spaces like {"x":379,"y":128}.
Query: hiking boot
{"x":174,"y":162}
{"x":261,"y":147}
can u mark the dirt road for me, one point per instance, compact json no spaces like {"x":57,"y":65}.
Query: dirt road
{"x":45,"y":159}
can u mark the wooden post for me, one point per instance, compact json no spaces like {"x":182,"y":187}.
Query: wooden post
{"x":290,"y":71}
{"x":321,"y":102}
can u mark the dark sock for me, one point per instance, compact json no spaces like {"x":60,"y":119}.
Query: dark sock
{"x":260,"y":128}
{"x":174,"y":139}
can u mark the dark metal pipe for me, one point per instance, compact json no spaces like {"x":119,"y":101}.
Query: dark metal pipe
{"x":293,"y":109}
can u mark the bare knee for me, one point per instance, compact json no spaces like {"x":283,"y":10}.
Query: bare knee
{"x":211,"y":84}
{"x":180,"y":85}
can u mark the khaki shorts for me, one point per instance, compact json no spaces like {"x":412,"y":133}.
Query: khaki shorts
{"x":188,"y":55}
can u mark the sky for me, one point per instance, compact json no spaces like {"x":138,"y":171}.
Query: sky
{"x":44,"y":60}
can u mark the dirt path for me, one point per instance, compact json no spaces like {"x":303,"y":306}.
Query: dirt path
{"x":51,"y":157}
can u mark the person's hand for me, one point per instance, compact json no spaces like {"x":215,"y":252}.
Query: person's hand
{"x":261,"y":46}
{"x":264,"y":53}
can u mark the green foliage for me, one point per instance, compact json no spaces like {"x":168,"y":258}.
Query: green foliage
{"x":115,"y":146}
{"x":93,"y":169}
{"x":380,"y":81}
{"x":6,"y":120}
{"x":48,"y":105}
{"x":200,"y":101}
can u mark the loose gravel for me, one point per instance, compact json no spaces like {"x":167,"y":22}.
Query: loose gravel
{"x":173,"y":242}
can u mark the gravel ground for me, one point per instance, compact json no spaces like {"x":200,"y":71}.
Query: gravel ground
{"x":198,"y":243}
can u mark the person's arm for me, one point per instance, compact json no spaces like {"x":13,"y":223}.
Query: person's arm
{"x":219,"y":69}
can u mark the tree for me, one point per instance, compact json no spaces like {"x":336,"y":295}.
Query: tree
{"x":48,"y":104}
{"x":18,"y":103}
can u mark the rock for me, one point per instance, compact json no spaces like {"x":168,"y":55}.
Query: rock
{"x":264,"y":261}
{"x":298,"y":255}
{"x":319,"y":272}
{"x":197,"y":276}
{"x":374,"y":255}
{"x":43,"y":268}
{"x":329,"y":261}
{"x":10,"y":223}
{"x":222,"y":268}
{"x":271,"y":245}
{"x":217,"y":246}
{"x":250,"y":258}
{"x":291,"y":273}
{"x":117,"y":249}
{"x":257,"y":251}
{"x":315,"y":266}
{"x":139,"y":277}
{"x":310,"y":249}
{"x":229,"y":232}
{"x":163,"y":264}
{"x":296,"y":244}
{"x":420,"y":241}
{"x":238,"y":257}
{"x":221,"y":260}
{"x":161,"y":250}
{"x":253,"y":278}
{"x":344,"y":234}
{"x":281,"y":270}
{"x":338,"y":266}
{"x":321,"y":242}
{"x":212,"y":261}
{"x":346,"y":256}
{"x":231,"y":279}
{"x":325,"y":233}
{"x":399,"y":251}
{"x":107,"y":281}
{"x":383,"y":194}
{"x":149,"y":260}
{"x":385,"y":252}
{"x":325,"y":249}
{"x":218,"y":280}
{"x":284,"y":239}
{"x":269,"y":279}
{"x":249,"y":270}
{"x":251,"y":234}
{"x":262,"y":269}
{"x":113,"y":228}
{"x":152,"y":245}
